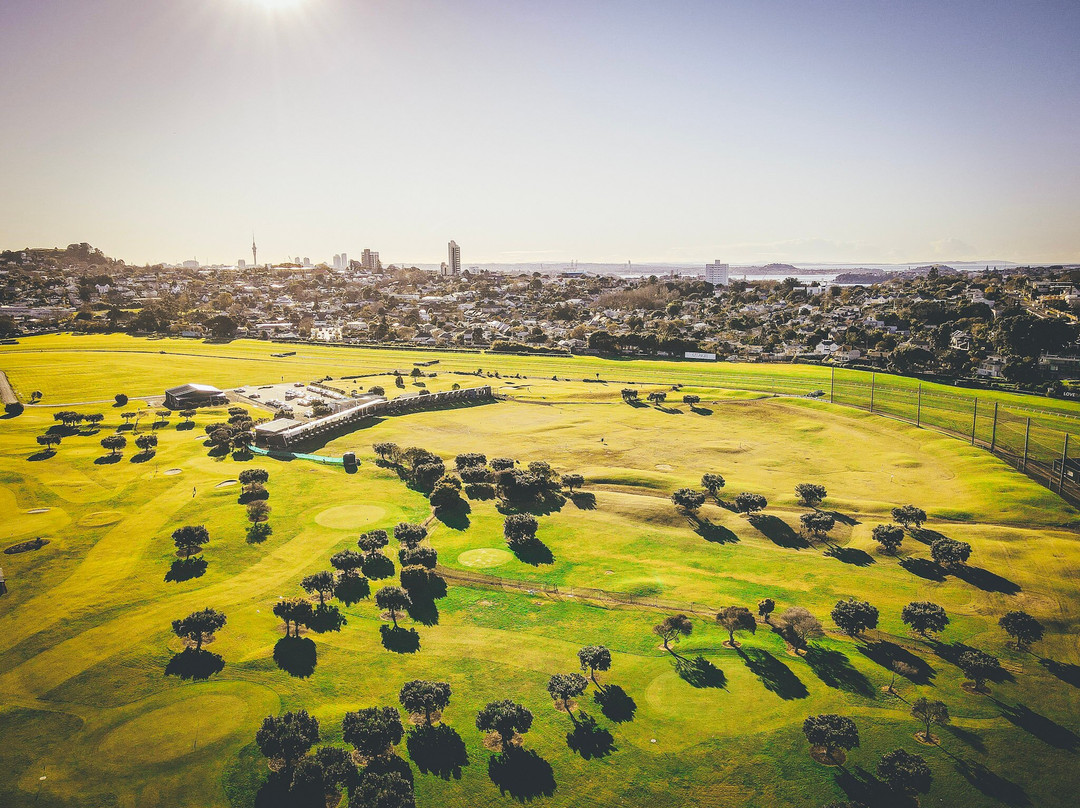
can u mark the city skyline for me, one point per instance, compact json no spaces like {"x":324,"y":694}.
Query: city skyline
{"x":534,"y":132}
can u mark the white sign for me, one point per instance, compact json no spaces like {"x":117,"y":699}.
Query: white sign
{"x":697,"y":355}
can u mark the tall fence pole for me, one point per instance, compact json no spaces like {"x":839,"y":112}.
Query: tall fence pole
{"x":993,"y":430}
{"x":918,"y":408}
{"x":974,"y":419}
{"x":1027,"y":435}
{"x":873,"y":377}
{"x":1064,"y":459}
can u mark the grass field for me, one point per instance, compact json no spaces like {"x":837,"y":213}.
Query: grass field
{"x":84,"y":628}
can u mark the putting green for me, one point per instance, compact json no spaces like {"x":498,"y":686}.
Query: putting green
{"x":484,"y":557}
{"x":351,"y":517}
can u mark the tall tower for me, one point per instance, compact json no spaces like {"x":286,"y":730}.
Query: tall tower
{"x":254,"y":251}
{"x":454,"y":258}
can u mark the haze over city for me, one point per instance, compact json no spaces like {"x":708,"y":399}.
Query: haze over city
{"x":532,"y":132}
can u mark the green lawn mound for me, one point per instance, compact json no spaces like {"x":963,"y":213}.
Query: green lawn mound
{"x":356,"y":517}
{"x":100,"y":519}
{"x":485,"y":557}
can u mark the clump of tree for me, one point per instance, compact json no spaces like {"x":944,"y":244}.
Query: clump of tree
{"x":1023,"y":628}
{"x":387,"y":452}
{"x":672,"y":628}
{"x":506,"y":719}
{"x":536,"y":483}
{"x":249,"y":478}
{"x":199,"y":627}
{"x":409,"y":534}
{"x":950,"y":553}
{"x":373,"y":732}
{"x":924,"y":617}
{"x":750,"y":503}
{"x":831,"y":732}
{"x":295,"y":611}
{"x":286,"y":739}
{"x":688,"y":499}
{"x":909,"y":516}
{"x":810,"y":494}
{"x":888,"y":537}
{"x":421,"y":468}
{"x":797,"y":626}
{"x":853,"y":617}
{"x":736,"y":618}
{"x":519,"y":530}
{"x":905,"y":772}
{"x":13,"y":409}
{"x":190,"y":539}
{"x":629,"y":395}
{"x":446,"y":495}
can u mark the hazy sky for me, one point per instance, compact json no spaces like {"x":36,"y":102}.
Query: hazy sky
{"x":543,"y":131}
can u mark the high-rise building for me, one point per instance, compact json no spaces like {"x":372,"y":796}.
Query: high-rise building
{"x":337,"y":261}
{"x":344,"y":260}
{"x":453,"y":261}
{"x":241,"y":264}
{"x":716,"y":273}
{"x":307,"y":262}
{"x":369,"y":259}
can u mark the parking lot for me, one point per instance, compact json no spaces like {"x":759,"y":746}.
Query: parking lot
{"x":283,"y":395}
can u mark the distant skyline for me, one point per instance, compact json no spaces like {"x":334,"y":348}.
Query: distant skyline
{"x":787,"y":131}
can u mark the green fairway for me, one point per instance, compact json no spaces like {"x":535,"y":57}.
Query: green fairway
{"x":85,"y":638}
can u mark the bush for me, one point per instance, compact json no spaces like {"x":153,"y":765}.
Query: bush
{"x":13,"y":409}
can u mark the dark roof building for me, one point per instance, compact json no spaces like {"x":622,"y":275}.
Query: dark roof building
{"x":193,"y":395}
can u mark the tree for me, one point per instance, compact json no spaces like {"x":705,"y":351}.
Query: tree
{"x":502,"y":463}
{"x":657,"y":397}
{"x":48,"y":440}
{"x":797,"y":625}
{"x":348,"y":562}
{"x":691,"y":400}
{"x":393,"y":599}
{"x":295,"y":610}
{"x":818,"y":523}
{"x":383,"y":789}
{"x":765,"y":607}
{"x":712,"y":483}
{"x":189,"y":539}
{"x":199,"y":626}
{"x":222,"y":326}
{"x":572,"y":481}
{"x":519,"y":530}
{"x":978,"y":666}
{"x":13,"y":409}
{"x":120,"y":399}
{"x":94,"y":419}
{"x":629,"y":395}
{"x":688,"y":499}
{"x":113,"y":443}
{"x":594,"y":658}
{"x":188,"y":415}
{"x":386,"y":450}
{"x":147,"y":443}
{"x":372,"y":542}
{"x":736,"y":618}
{"x":924,"y":616}
{"x":890,"y":537}
{"x":322,"y":583}
{"x":470,"y":459}
{"x":422,"y":556}
{"x":565,"y":686}
{"x":750,"y":503}
{"x":950,"y":553}
{"x":249,"y":477}
{"x":258,"y":511}
{"x":289,"y":737}
{"x":930,"y":712}
{"x":1023,"y":628}
{"x":832,"y":732}
{"x":810,"y":494}
{"x":373,"y":731}
{"x":409,"y":534}
{"x":909,"y":515}
{"x":853,"y":617}
{"x":420,"y":696}
{"x":505,"y":718}
{"x":905,"y":772}
{"x":444,"y":497}
{"x":671,"y":628}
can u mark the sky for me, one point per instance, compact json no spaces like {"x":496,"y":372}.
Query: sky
{"x":679,"y":131}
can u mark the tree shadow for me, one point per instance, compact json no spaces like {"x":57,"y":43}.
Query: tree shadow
{"x":534,"y":553}
{"x":276,"y":792}
{"x":192,"y":664}
{"x":843,"y":518}
{"x":522,"y":774}
{"x":252,"y":496}
{"x":778,"y":531}
{"x":862,"y":787}
{"x":589,"y":739}
{"x":717,"y":534}
{"x":296,"y":656}
{"x":924,"y":568}
{"x":185,"y":426}
{"x":584,"y":500}
{"x":107,"y":460}
{"x":850,"y":555}
{"x":437,"y":750}
{"x":352,"y":589}
{"x":326,"y":618}
{"x":400,"y":640}
{"x":885,"y":653}
{"x":480,"y":491}
{"x":1045,"y":729}
{"x":1066,"y":672}
{"x":991,"y":784}
{"x":615,"y":703}
{"x":985,"y":580}
{"x":701,"y":411}
{"x":700,"y":672}
{"x":424,"y":610}
{"x":377,"y":567}
{"x":455,"y":518}
{"x":836,"y":671}
{"x":925,"y":535}
{"x":951,"y":652}
{"x":37,"y":457}
{"x":184,"y":569}
{"x":968,"y":737}
{"x":777,"y":677}
{"x":143,"y":456}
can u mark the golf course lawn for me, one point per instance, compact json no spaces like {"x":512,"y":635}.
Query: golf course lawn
{"x":85,"y":637}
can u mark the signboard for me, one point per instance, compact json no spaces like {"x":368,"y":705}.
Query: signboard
{"x":697,"y":355}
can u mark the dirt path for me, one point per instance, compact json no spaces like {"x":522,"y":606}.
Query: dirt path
{"x":7,"y":394}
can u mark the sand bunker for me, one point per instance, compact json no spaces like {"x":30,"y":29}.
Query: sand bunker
{"x":39,"y":510}
{"x":171,"y":472}
{"x":226,"y":483}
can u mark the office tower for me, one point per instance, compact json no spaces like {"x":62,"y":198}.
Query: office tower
{"x":716,"y":273}
{"x":453,"y":262}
